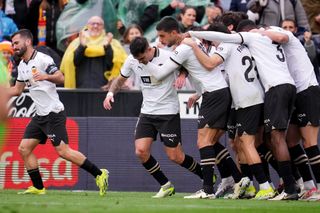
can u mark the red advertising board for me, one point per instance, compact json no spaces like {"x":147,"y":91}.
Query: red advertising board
{"x":55,"y":171}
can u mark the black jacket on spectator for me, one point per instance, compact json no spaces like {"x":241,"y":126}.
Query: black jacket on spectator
{"x":90,"y":70}
{"x":25,"y":17}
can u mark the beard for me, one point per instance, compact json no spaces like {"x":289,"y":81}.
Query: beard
{"x":20,"y":52}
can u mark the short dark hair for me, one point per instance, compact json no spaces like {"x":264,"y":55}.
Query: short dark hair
{"x":246,"y":25}
{"x":138,"y":46}
{"x":218,"y":27}
{"x":289,"y":20}
{"x":25,"y":33}
{"x":233,"y":18}
{"x":168,"y":24}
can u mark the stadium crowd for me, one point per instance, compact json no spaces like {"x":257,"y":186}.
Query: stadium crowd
{"x":254,"y":62}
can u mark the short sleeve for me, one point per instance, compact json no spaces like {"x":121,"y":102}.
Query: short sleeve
{"x":19,"y":78}
{"x":126,"y":69}
{"x":181,"y":54}
{"x":247,"y":37}
{"x":223,"y":50}
{"x":49,"y":66}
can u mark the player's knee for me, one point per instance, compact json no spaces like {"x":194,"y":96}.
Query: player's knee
{"x":23,"y":150}
{"x":141,"y":153}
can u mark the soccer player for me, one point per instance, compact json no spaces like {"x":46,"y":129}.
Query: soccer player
{"x":159,"y":113}
{"x":247,"y":96}
{"x":216,"y":101}
{"x":305,"y":119}
{"x":279,"y":93}
{"x":39,"y":74}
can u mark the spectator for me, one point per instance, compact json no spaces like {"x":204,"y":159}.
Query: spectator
{"x":312,"y":8}
{"x":199,"y":6}
{"x":172,"y":8}
{"x":53,"y":9}
{"x":25,"y":13}
{"x":144,"y":13}
{"x":175,"y":5}
{"x":212,"y":13}
{"x":310,"y":44}
{"x":7,"y":25}
{"x":131,"y":32}
{"x":6,"y":52}
{"x":272,"y":12}
{"x":187,"y":18}
{"x":231,"y":19}
{"x":239,"y":5}
{"x":93,"y":59}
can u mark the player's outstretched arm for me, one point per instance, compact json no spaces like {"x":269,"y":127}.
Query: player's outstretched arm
{"x":114,"y":88}
{"x":160,"y":72}
{"x":217,"y":36}
{"x":278,"y":37}
{"x":206,"y":61}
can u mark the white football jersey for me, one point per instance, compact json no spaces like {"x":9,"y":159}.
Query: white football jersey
{"x":43,"y":93}
{"x":159,"y":97}
{"x":300,"y":66}
{"x":270,"y":60}
{"x":209,"y":80}
{"x":241,"y":72}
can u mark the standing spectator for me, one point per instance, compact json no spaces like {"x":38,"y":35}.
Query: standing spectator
{"x":310,"y":44}
{"x":239,"y":5}
{"x":7,"y":25}
{"x":212,"y":13}
{"x":25,"y":13}
{"x":6,"y":52}
{"x":187,"y":18}
{"x":131,"y":32}
{"x":172,"y":8}
{"x":142,"y":12}
{"x":312,"y":8}
{"x":94,"y":58}
{"x":53,"y":9}
{"x":199,"y":6}
{"x":272,"y":12}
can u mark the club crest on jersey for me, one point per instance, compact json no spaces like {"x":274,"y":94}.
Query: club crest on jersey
{"x":220,"y":48}
{"x":176,"y":52}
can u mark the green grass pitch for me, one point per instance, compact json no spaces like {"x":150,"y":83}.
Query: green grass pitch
{"x":58,"y":201}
